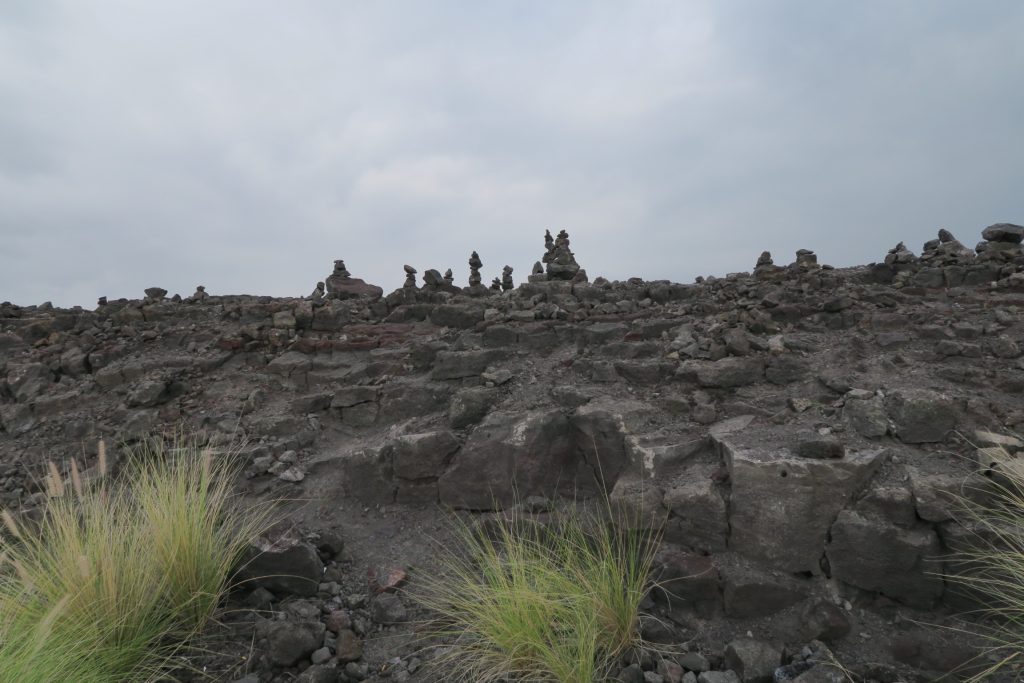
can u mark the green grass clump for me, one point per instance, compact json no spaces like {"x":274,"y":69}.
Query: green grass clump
{"x":555,"y":602}
{"x":116,"y":576}
{"x":989,"y":567}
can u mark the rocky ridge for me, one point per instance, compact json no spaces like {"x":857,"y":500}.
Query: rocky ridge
{"x":797,"y":430}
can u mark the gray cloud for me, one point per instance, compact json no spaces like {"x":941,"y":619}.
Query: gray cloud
{"x":245,"y":145}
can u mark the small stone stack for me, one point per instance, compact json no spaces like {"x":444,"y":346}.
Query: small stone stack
{"x":449,"y":279}
{"x":475,"y":264}
{"x":496,"y":285}
{"x":537,"y":274}
{"x":900,"y":256}
{"x":506,"y":279}
{"x":318,"y":292}
{"x":341,"y":285}
{"x":765,"y":269}
{"x":199,"y":295}
{"x":947,"y":250}
{"x":806,"y":259}
{"x":475,"y":288}
{"x":154,"y":294}
{"x":410,"y":277}
{"x":561,"y":262}
{"x":1002,"y":243}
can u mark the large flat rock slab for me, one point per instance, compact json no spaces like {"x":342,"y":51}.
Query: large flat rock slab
{"x":782,"y":505}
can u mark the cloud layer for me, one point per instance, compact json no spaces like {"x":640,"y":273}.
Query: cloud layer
{"x":245,"y":145}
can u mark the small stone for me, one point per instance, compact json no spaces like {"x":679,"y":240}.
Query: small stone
{"x":1003,"y":232}
{"x":320,"y":656}
{"x":291,"y":474}
{"x":631,"y":674}
{"x":338,"y":620}
{"x":800,"y":405}
{"x":348,"y":646}
{"x":753,"y":660}
{"x":388,"y":609}
{"x":694,"y":661}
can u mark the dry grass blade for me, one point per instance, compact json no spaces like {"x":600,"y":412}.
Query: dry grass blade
{"x":79,"y":576}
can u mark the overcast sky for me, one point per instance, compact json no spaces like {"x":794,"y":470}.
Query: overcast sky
{"x":245,"y":145}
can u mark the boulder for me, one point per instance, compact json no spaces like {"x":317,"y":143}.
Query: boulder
{"x":470,"y":406}
{"x":285,"y":643}
{"x":284,"y":566}
{"x":876,"y":555}
{"x":509,"y":454}
{"x":1003,"y":232}
{"x":921,"y":416}
{"x":754,"y":661}
{"x":699,"y":516}
{"x":687,"y":581}
{"x":422,"y":456}
{"x":782,"y":505}
{"x":866,"y":416}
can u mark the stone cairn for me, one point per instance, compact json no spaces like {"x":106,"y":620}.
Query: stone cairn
{"x":475,"y":287}
{"x":475,"y":264}
{"x":496,"y":285}
{"x":506,"y":279}
{"x":807,"y":259}
{"x":1002,"y":243}
{"x":337,"y":279}
{"x":341,"y":285}
{"x":410,"y":277}
{"x":561,"y":262}
{"x":766,"y":268}
{"x":199,"y":295}
{"x":449,"y":279}
{"x":317,"y":294}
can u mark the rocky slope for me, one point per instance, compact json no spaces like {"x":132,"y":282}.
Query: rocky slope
{"x":797,"y":431}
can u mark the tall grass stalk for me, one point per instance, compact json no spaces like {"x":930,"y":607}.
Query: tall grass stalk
{"x":989,"y":567}
{"x":116,"y":576}
{"x":555,"y":602}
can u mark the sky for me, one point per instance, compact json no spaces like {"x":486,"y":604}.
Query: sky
{"x":247,"y":144}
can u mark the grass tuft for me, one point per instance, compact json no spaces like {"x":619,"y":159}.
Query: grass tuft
{"x":555,"y":602}
{"x":116,"y":576}
{"x":989,"y":567}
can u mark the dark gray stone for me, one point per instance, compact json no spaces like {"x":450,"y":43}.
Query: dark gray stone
{"x":699,"y":517}
{"x":822,"y":620}
{"x":532,"y":452}
{"x":878,"y":556}
{"x":867,"y":417}
{"x":284,"y":567}
{"x":1003,"y":232}
{"x":688,"y":581}
{"x":782,"y":505}
{"x":921,"y":416}
{"x":421,"y":456}
{"x":754,"y":661}
{"x":470,"y":406}
{"x":387,"y":608}
{"x":286,"y":643}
